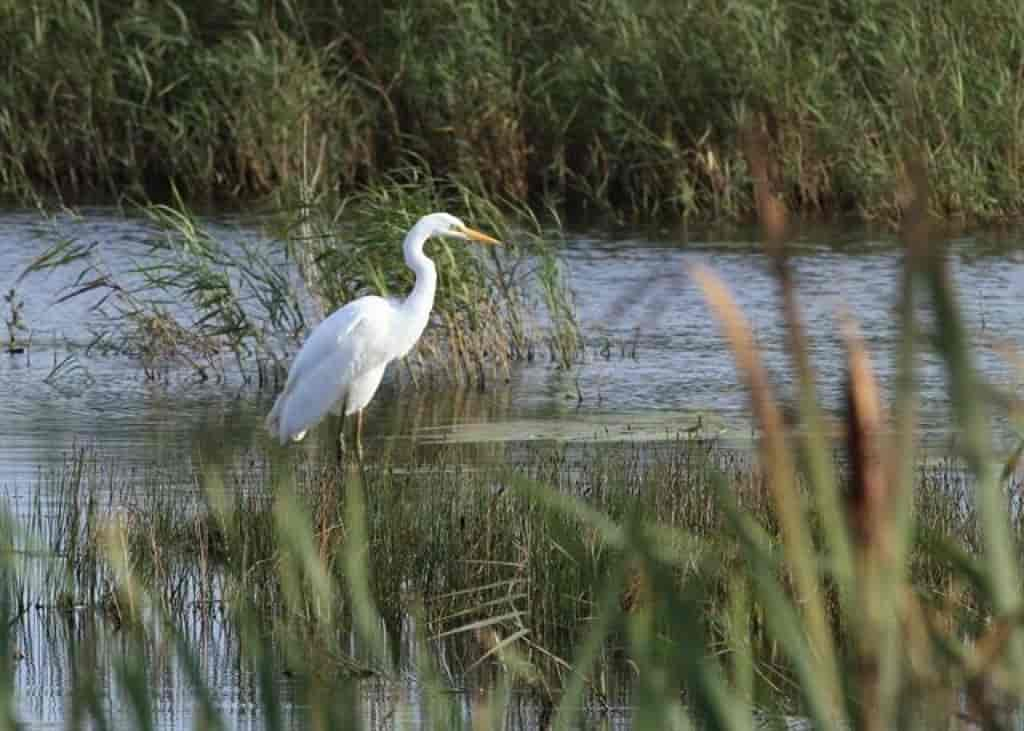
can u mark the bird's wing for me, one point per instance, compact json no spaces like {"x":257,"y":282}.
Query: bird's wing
{"x":323,"y":340}
{"x":338,"y":350}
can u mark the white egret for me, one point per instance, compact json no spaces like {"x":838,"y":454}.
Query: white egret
{"x":342,"y":362}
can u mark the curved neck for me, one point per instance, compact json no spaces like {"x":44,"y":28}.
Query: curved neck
{"x":422,"y":295}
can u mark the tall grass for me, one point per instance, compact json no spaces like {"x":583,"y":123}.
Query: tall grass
{"x":861,"y":597}
{"x":183,"y":297}
{"x":566,"y":577}
{"x":622,"y":108}
{"x":491,"y":306}
{"x":187,"y":297}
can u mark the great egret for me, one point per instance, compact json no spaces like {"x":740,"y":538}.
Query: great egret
{"x":341,"y":365}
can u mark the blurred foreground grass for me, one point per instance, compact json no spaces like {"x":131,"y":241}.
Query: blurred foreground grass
{"x":575,"y":581}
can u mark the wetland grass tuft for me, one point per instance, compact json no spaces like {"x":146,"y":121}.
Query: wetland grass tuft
{"x":190,"y":298}
{"x":489,"y":310}
{"x":186,"y":298}
{"x":14,"y":320}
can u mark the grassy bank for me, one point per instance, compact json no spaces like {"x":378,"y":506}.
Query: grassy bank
{"x":629,"y":108}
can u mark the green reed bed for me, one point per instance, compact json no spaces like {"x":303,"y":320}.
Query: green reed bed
{"x":629,"y":108}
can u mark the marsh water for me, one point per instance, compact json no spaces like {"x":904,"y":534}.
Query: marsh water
{"x":654,"y":364}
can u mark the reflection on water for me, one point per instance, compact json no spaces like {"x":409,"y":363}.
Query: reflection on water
{"x":655,"y":363}
{"x":59,"y":648}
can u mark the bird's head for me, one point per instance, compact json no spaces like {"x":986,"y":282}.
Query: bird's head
{"x":445,"y":224}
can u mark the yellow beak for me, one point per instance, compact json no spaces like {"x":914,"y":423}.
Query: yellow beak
{"x":474,"y":235}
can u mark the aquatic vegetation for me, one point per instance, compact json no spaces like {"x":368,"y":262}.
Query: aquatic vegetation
{"x":14,"y":320}
{"x":189,"y":298}
{"x":625,"y":109}
{"x":489,"y":309}
{"x":500,"y":569}
{"x":866,"y":588}
{"x":695,"y":583}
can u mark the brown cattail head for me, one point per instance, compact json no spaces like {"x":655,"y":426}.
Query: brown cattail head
{"x":771,"y":209}
{"x":867,"y":498}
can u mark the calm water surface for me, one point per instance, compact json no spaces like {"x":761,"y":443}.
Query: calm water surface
{"x":654,"y":362}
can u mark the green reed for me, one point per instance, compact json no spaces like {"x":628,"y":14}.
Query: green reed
{"x":190,"y":298}
{"x":489,"y":309}
{"x":618,"y":108}
{"x":731,"y":591}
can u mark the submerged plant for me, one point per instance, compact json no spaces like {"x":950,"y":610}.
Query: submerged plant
{"x":14,"y":320}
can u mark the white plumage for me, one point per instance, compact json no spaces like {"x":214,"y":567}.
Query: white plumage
{"x":342,"y":363}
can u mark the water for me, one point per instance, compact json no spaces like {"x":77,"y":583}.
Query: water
{"x":655,"y":358}
{"x":655,"y":361}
